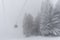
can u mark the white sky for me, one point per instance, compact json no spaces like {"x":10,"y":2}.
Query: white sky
{"x":9,"y":11}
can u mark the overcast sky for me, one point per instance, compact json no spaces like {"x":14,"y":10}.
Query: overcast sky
{"x":9,"y":12}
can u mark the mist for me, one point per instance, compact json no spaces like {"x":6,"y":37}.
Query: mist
{"x":11,"y":10}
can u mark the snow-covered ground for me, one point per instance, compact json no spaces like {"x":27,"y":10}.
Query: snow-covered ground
{"x":33,"y":38}
{"x":41,"y":38}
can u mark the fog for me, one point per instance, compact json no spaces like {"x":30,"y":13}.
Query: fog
{"x":11,"y":10}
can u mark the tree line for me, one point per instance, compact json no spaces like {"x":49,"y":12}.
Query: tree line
{"x":46,"y":23}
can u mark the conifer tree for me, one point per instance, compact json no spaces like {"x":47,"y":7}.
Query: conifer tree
{"x":46,"y":12}
{"x":37,"y":25}
{"x":56,"y":19}
{"x":27,"y":24}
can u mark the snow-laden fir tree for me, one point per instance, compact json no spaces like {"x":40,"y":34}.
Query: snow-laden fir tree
{"x":56,"y":19}
{"x":37,"y":25}
{"x":45,"y":22}
{"x":27,"y":24}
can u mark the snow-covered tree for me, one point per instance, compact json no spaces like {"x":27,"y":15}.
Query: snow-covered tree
{"x":37,"y":24}
{"x":56,"y":19}
{"x":28,"y":24}
{"x":46,"y":12}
